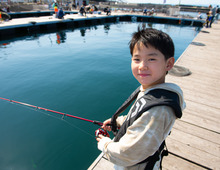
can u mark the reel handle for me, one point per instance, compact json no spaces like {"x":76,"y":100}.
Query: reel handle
{"x":101,"y":131}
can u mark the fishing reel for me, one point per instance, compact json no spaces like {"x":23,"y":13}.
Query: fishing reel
{"x":101,"y":131}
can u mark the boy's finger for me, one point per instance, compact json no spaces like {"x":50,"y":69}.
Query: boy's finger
{"x":98,"y":139}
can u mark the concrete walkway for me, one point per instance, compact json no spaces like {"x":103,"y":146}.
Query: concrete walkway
{"x":23,"y":21}
{"x":195,"y":139}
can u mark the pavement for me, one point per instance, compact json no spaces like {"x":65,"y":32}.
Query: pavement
{"x":21,"y":21}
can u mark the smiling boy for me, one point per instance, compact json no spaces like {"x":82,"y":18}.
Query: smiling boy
{"x":139,"y":141}
{"x":149,"y":66}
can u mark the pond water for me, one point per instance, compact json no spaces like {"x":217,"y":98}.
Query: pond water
{"x":84,"y":72}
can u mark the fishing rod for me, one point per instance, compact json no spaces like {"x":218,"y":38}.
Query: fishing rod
{"x":99,"y":131}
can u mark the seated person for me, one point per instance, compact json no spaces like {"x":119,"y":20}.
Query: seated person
{"x":60,"y":14}
{"x":145,"y":11}
{"x":107,"y":10}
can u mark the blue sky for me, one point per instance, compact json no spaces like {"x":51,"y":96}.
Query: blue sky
{"x":185,"y":2}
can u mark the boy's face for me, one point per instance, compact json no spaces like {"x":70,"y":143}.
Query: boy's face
{"x":149,"y":66}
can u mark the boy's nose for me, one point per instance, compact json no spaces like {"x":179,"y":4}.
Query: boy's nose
{"x":143,"y":65}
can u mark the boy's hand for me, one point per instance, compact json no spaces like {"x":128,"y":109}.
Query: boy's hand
{"x":99,"y":137}
{"x":102,"y":141}
{"x":106,"y":125}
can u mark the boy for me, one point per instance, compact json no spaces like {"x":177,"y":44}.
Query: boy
{"x":139,"y":141}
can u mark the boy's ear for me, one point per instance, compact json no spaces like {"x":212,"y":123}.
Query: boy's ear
{"x":170,"y":63}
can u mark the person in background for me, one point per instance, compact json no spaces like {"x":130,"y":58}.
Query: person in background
{"x":208,"y":19}
{"x":73,"y":6}
{"x":217,"y":12}
{"x":54,"y":4}
{"x":199,"y":16}
{"x":145,"y":11}
{"x":56,"y":10}
{"x":82,"y":10}
{"x":212,"y":12}
{"x":107,"y":10}
{"x":8,"y":9}
{"x":4,"y":16}
{"x":60,"y":14}
{"x":1,"y":17}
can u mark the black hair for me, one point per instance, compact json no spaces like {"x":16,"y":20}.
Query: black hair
{"x":156,"y":38}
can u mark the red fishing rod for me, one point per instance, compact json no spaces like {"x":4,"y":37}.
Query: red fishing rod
{"x":99,"y":131}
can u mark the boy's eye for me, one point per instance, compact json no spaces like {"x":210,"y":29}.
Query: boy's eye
{"x":152,"y":59}
{"x":136,"y":59}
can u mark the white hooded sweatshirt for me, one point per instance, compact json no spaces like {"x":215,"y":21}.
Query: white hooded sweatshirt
{"x":143,"y":138}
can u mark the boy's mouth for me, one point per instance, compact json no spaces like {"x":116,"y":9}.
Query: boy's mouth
{"x":144,"y":75}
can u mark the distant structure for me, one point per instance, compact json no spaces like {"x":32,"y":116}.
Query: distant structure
{"x":86,"y":2}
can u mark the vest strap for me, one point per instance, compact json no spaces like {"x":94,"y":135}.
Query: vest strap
{"x":125,"y":105}
{"x":151,"y":161}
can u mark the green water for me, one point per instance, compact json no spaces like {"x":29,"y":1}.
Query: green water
{"x":86,"y":74}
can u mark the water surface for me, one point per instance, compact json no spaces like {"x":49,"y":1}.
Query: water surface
{"x":84,"y":72}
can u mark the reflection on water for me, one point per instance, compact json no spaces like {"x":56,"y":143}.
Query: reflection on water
{"x":84,"y":72}
{"x":3,"y":45}
{"x":83,"y":31}
{"x":61,"y":37}
{"x":107,"y":28}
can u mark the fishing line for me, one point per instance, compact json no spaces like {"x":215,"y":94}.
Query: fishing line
{"x":65,"y":121}
{"x":55,"y":117}
{"x":45,"y":111}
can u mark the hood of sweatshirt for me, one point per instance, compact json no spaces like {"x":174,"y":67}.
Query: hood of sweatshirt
{"x":171,"y":87}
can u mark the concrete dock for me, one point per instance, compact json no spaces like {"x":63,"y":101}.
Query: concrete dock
{"x":32,"y":25}
{"x":194,"y":142}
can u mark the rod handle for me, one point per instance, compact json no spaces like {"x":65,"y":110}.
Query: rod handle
{"x":97,"y":123}
{"x":100,"y":123}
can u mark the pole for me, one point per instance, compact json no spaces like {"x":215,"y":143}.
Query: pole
{"x":53,"y":111}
